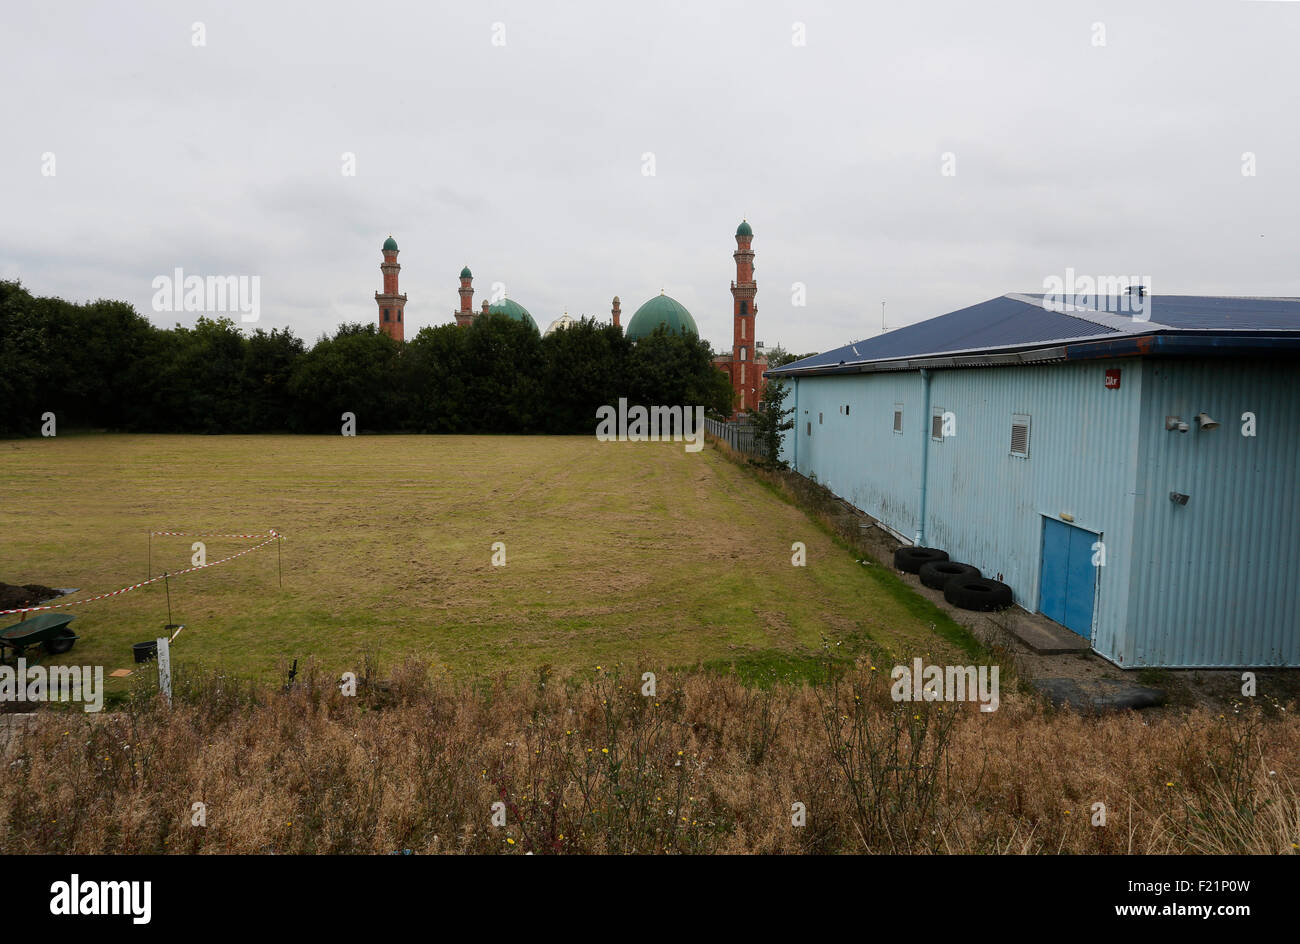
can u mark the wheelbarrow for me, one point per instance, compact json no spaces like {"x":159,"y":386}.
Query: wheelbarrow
{"x":50,"y":630}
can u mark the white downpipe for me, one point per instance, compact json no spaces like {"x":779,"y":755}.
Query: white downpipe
{"x":919,"y":540}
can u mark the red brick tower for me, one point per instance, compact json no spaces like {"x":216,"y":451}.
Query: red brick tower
{"x":465,"y":317}
{"x":616,"y":312}
{"x":391,"y":304}
{"x":746,"y":372}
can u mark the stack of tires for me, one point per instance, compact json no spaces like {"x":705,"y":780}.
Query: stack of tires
{"x":962,"y":584}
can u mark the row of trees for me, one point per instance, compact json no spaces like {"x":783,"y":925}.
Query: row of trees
{"x":103,"y":365}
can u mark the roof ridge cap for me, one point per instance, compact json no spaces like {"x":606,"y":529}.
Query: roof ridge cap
{"x":1124,"y":324}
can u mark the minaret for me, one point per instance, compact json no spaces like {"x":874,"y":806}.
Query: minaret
{"x":465,"y":316}
{"x":391,"y":304}
{"x":616,"y":311}
{"x":744,"y":376}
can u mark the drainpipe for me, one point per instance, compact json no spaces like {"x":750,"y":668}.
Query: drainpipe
{"x":796,"y":425}
{"x":919,"y":540}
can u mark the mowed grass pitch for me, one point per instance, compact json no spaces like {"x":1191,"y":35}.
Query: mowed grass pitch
{"x":640,"y":554}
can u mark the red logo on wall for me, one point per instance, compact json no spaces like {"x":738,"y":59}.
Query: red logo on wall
{"x":1112,"y":379}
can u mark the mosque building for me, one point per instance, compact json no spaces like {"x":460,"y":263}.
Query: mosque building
{"x":466,"y":314}
{"x":744,"y":365}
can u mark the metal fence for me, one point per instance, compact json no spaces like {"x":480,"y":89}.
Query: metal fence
{"x":741,"y":437}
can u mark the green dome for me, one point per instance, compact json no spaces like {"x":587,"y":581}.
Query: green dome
{"x":465,"y":273}
{"x":743,"y":229}
{"x":390,"y":244}
{"x":512,"y":309}
{"x":661,"y":310}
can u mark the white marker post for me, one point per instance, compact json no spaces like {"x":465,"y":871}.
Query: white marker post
{"x":165,"y":667}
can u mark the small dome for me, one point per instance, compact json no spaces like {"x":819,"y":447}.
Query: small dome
{"x":559,"y":323}
{"x":743,"y":229}
{"x":512,"y":309}
{"x":661,"y":310}
{"x":390,"y":244}
{"x":465,"y":273}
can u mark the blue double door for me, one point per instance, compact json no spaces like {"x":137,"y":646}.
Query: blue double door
{"x":1067,"y":583}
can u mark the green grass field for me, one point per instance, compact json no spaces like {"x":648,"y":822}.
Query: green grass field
{"x":616,"y":552}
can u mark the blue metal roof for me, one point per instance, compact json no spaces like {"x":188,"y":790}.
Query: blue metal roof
{"x":1020,"y":323}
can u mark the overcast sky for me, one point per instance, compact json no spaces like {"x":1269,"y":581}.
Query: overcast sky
{"x":525,"y":160}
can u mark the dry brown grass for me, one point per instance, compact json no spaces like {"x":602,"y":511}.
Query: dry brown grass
{"x":592,"y":765}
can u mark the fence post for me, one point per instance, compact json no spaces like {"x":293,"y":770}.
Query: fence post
{"x":165,"y":668}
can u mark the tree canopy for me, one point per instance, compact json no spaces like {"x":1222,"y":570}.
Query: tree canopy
{"x":103,"y":365}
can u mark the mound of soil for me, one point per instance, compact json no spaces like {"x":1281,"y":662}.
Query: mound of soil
{"x":13,"y":596}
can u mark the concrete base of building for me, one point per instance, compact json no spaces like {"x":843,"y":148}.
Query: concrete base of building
{"x":1042,"y":635}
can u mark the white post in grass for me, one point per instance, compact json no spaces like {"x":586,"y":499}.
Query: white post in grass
{"x":165,"y":668}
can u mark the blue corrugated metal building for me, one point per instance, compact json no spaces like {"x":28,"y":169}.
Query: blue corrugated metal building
{"x":1072,"y":451}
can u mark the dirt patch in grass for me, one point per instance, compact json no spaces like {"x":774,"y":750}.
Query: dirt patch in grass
{"x":13,"y":596}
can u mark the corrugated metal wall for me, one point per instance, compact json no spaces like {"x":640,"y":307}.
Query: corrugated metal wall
{"x":858,"y":455}
{"x":986,"y":506}
{"x":1214,"y":583}
{"x":1217,"y":581}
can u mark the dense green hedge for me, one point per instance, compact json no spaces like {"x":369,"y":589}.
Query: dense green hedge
{"x":103,"y":365}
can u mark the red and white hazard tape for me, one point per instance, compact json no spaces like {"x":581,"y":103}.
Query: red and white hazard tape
{"x":145,"y":583}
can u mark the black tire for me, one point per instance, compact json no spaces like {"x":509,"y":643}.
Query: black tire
{"x":976,"y":593}
{"x":61,"y":643}
{"x":910,"y":559}
{"x":936,"y":574}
